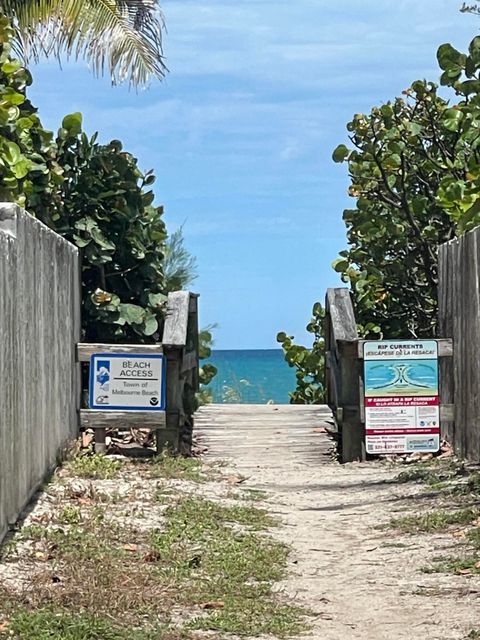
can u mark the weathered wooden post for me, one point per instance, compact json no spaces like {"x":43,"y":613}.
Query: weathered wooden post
{"x":344,"y":373}
{"x":181,"y":350}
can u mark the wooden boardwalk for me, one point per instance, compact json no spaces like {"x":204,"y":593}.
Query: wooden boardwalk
{"x":286,"y":435}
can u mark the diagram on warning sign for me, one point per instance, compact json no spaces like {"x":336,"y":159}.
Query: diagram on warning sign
{"x":404,"y":377}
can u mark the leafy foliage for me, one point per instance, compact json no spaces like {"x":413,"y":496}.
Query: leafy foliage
{"x":123,"y":35}
{"x":29,"y":171}
{"x":308,"y":362}
{"x":401,"y":153}
{"x":415,"y":175}
{"x":207,"y":371}
{"x":108,"y":213}
{"x":92,"y":194}
{"x":459,"y":189}
{"x":470,"y":8}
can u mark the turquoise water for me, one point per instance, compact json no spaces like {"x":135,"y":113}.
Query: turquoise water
{"x":251,"y":376}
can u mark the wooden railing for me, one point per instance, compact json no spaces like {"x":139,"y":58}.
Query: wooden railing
{"x":180,"y":347}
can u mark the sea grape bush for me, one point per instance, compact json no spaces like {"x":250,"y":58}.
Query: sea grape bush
{"x":108,"y":213}
{"x":308,"y":362}
{"x":414,"y":166}
{"x":207,"y":371}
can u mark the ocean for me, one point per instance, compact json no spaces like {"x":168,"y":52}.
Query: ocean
{"x":254,"y":376}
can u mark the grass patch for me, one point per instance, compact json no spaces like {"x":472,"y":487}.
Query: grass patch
{"x":473,"y":635}
{"x":94,"y":466}
{"x":48,"y":624}
{"x":470,"y":486}
{"x":473,"y":537}
{"x":95,"y":565}
{"x":434,"y":520}
{"x":254,"y":495}
{"x":216,"y":562}
{"x":174,"y":467}
{"x":254,"y":619}
{"x":217,"y":555}
{"x":466,"y":564}
{"x":438,"y":474}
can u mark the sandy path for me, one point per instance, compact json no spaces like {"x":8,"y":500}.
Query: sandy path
{"x":362,"y":582}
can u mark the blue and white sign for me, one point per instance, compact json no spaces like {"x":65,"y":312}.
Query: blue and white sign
{"x":127,"y":382}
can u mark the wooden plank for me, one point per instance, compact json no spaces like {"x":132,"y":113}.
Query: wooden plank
{"x":174,"y":402}
{"x":447,"y":413}
{"x":445,"y":328}
{"x":472,"y":337}
{"x":342,"y":316}
{"x":176,"y":321}
{"x":95,"y":419}
{"x":344,"y":372}
{"x":193,"y":304}
{"x":189,"y":361}
{"x":352,"y":431}
{"x":86,"y":350}
{"x":445,"y":347}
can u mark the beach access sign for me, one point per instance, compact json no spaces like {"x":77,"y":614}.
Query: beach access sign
{"x":402,"y":408}
{"x":127,"y":382}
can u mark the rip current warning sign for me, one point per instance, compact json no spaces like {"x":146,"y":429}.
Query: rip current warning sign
{"x":124,"y":382}
{"x":402,"y":407}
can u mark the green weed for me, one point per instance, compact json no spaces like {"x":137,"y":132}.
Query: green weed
{"x":95,"y":466}
{"x":70,"y":515}
{"x":467,"y":564}
{"x":49,"y":624}
{"x":436,"y":475}
{"x":434,"y":520}
{"x":256,"y":618}
{"x":173,"y":467}
{"x":217,"y":555}
{"x":255,"y":495}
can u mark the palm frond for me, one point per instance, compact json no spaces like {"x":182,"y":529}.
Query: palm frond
{"x":123,"y":36}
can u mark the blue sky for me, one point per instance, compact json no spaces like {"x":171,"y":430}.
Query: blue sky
{"x":240,"y":136}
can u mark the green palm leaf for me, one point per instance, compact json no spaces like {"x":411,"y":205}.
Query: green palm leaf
{"x":123,"y":36}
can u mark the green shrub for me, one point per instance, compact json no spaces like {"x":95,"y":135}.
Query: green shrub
{"x":308,"y":362}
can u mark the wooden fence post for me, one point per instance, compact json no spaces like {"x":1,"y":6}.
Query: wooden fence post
{"x":344,"y":374}
{"x":170,"y":437}
{"x":180,"y":341}
{"x":352,"y":427}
